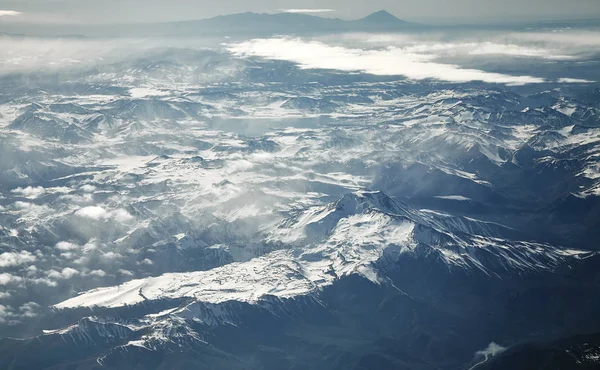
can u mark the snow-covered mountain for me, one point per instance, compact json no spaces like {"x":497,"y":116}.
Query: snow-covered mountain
{"x":328,"y":243}
{"x":191,"y":208}
{"x":364,"y":235}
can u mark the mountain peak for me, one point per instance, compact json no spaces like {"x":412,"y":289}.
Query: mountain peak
{"x":315,"y":224}
{"x":361,"y":201}
{"x":382,"y":16}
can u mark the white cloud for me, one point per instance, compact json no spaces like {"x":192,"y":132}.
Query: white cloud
{"x":458,"y":47}
{"x":44,"y":281}
{"x":99,"y":213}
{"x":93,"y":212}
{"x":68,"y":255}
{"x":78,"y":199}
{"x":453,"y":197}
{"x":112,"y":255}
{"x":142,"y":92}
{"x":66,"y":273}
{"x":125,"y":272}
{"x":29,"y":310}
{"x":10,"y":316}
{"x":574,"y":81}
{"x":67,"y":246}
{"x":90,"y":246}
{"x":493,"y":349}
{"x":88,"y":188}
{"x":121,"y":215}
{"x":9,"y":259}
{"x":24,"y":205}
{"x":489,"y":48}
{"x":569,"y":45}
{"x":59,"y":190}
{"x":29,"y":192}
{"x":486,"y":46}
{"x":391,"y":61}
{"x":9,"y":13}
{"x":30,"y":54}
{"x":98,"y":273}
{"x":7,"y":279}
{"x":307,"y":11}
{"x":31,"y":210}
{"x":5,"y":314}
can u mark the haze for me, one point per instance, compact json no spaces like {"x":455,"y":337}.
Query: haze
{"x":125,"y":11}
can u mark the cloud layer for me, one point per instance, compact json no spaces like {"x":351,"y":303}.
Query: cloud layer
{"x":454,"y":57}
{"x":450,"y":56}
{"x":388,"y":61}
{"x":9,"y":13}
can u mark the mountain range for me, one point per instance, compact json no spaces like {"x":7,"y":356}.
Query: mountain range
{"x":233,"y":25}
{"x":192,"y":208}
{"x":365,"y":277}
{"x":273,"y":23}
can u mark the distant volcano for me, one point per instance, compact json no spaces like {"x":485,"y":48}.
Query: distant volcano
{"x":383,"y":17}
{"x":266,"y":24}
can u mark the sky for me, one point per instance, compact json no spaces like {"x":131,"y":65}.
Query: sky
{"x":127,"y":11}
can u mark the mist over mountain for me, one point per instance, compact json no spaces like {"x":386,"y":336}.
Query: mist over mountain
{"x":282,"y":23}
{"x":268,"y":191}
{"x":240,"y":24}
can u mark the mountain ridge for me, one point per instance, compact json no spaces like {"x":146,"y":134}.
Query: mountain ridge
{"x":276,"y":23}
{"x":377,"y":16}
{"x":316,"y":251}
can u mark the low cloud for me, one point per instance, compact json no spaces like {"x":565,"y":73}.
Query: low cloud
{"x":98,"y":273}
{"x":99,"y":213}
{"x":8,"y":279}
{"x":121,"y":215}
{"x":574,"y":81}
{"x":32,"y":54}
{"x":9,"y":13}
{"x":50,"y":54}
{"x":78,"y":199}
{"x":66,"y":273}
{"x":390,"y":61}
{"x":67,"y":246}
{"x":566,"y":45}
{"x":125,"y":272}
{"x":11,"y":316}
{"x":11,"y":259}
{"x":29,"y":310}
{"x":489,"y":48}
{"x":24,"y":205}
{"x":492,"y":350}
{"x":111,"y":256}
{"x":93,"y":212}
{"x":29,"y":192}
{"x":88,"y":188}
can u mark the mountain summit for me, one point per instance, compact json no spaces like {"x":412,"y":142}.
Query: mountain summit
{"x":266,"y":24}
{"x":382,"y":17}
